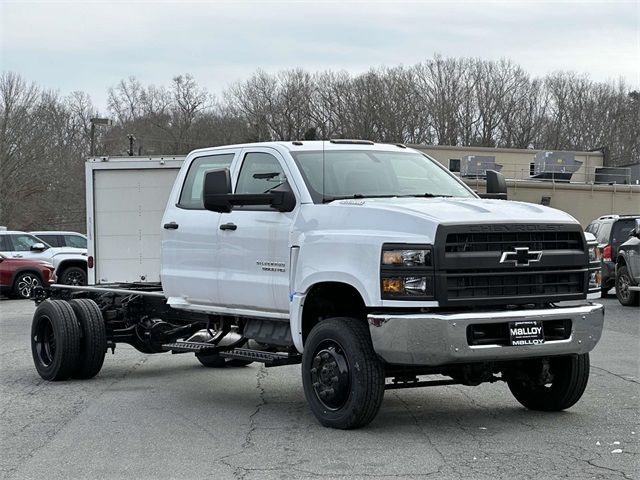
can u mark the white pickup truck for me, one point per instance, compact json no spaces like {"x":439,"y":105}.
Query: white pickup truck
{"x":369,"y":264}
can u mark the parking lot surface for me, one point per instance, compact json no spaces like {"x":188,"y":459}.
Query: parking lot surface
{"x":165,"y":416}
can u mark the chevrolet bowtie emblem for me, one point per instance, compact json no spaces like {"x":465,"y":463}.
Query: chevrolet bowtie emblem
{"x":522,"y":257}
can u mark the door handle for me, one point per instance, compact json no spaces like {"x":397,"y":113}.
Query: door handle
{"x":17,"y":255}
{"x":171,"y":226}
{"x":228,"y":226}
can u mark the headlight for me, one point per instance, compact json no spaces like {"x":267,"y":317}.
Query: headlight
{"x":594,"y":254}
{"x":406,"y":272}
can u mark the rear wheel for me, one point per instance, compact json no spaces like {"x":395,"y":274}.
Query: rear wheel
{"x":552,"y":385}
{"x":55,"y":340}
{"x":625,"y":296}
{"x":24,"y":283}
{"x":93,"y":345}
{"x":342,"y":376}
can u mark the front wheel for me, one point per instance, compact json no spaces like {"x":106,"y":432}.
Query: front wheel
{"x":342,"y":376}
{"x":73,"y":276}
{"x":24,"y":283}
{"x":551,"y":385}
{"x":625,"y":296}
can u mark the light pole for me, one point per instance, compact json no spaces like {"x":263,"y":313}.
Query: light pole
{"x":94,"y":122}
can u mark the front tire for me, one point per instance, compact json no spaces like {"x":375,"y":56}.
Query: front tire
{"x":567,"y":379}
{"x":342,"y":376}
{"x":73,"y":276}
{"x":55,"y":340}
{"x":626,"y":297}
{"x":24,"y":283}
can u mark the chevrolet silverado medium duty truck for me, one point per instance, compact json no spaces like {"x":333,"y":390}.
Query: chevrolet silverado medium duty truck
{"x":370,"y":265}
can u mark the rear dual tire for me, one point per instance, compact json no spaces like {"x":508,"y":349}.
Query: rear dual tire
{"x":68,"y":339}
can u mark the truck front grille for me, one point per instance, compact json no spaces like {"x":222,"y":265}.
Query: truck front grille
{"x":503,"y":241}
{"x":509,"y":284}
{"x":477,"y":264}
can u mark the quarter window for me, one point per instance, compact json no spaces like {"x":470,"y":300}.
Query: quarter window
{"x":191,"y":196}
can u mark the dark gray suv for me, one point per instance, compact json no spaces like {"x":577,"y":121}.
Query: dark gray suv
{"x":628,"y":268}
{"x":611,"y":231}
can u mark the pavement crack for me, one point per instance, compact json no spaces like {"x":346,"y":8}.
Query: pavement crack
{"x":616,"y":375}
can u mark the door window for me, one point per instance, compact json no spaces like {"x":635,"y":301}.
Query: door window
{"x":260,"y":173}
{"x":191,"y":196}
{"x":53,"y":240}
{"x":23,"y":243}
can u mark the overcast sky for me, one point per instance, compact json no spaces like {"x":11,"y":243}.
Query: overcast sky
{"x":89,"y":46}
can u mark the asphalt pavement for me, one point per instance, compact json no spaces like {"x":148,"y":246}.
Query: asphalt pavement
{"x":165,"y":416}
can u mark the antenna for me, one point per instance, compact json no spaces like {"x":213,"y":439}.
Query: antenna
{"x":323,"y":174}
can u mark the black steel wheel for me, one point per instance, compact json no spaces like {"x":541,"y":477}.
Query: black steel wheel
{"x":24,"y":283}
{"x":55,"y":340}
{"x":342,"y":376}
{"x":73,"y":276}
{"x":625,"y":296}
{"x":93,"y":345}
{"x":551,"y":387}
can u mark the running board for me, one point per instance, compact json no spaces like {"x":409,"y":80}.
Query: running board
{"x":270,"y":359}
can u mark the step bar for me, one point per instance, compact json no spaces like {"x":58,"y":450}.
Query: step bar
{"x":270,"y":359}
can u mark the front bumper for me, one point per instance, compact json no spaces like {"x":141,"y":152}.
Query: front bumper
{"x":430,"y":339}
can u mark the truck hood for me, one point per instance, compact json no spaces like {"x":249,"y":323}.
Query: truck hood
{"x":68,"y":251}
{"x":463,"y":210}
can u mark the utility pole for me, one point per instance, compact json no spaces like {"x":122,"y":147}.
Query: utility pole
{"x":131,"y":140}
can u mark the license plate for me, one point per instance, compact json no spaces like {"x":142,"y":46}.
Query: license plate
{"x":526,"y":333}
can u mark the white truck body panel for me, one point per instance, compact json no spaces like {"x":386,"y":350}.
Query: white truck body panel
{"x":125,"y":201}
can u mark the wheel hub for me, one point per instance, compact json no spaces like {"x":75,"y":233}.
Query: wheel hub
{"x":330,"y":375}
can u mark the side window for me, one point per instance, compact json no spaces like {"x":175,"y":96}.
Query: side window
{"x":454,"y":164}
{"x":260,"y":172}
{"x":22,"y":243}
{"x":191,"y":195}
{"x":53,"y":240}
{"x":75,"y":241}
{"x":5,"y":244}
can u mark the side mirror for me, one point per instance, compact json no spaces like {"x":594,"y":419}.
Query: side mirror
{"x":496,"y":186}
{"x":217,"y":189}
{"x":38,"y":247}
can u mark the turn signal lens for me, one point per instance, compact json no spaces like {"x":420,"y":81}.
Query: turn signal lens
{"x":392,"y":285}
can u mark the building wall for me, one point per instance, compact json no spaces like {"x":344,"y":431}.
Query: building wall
{"x":515,"y":161}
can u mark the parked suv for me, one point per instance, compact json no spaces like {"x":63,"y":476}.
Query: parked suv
{"x":62,"y":239}
{"x":610,"y":232}
{"x":70,"y":263}
{"x":628,"y":268}
{"x":18,"y":276}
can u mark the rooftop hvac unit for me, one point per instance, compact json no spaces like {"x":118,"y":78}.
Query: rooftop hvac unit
{"x":477,"y":165}
{"x":559,"y":166}
{"x":611,"y":175}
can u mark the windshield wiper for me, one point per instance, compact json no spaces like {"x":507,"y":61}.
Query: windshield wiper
{"x":355,"y":195}
{"x":427,"y":195}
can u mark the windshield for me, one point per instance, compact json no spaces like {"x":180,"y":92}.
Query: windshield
{"x":361,"y":173}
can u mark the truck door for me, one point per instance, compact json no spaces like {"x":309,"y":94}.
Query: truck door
{"x":190,"y":234}
{"x":253,"y":241}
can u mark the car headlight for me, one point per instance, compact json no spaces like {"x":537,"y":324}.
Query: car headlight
{"x":406,"y":272}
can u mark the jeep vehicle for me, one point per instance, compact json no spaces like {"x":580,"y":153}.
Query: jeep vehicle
{"x":610,"y":232}
{"x":70,"y":263}
{"x":369,"y":264}
{"x":628,"y":269}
